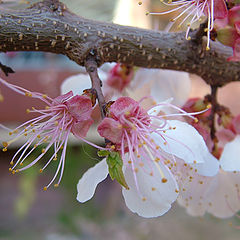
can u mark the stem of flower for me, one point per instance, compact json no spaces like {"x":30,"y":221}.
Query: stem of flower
{"x":91,"y":68}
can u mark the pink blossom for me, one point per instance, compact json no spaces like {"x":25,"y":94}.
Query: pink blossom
{"x":194,"y":10}
{"x":151,"y":147}
{"x":119,"y":77}
{"x":62,"y":115}
{"x":228,"y":32}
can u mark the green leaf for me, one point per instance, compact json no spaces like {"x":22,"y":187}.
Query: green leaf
{"x":115,"y":165}
{"x":103,"y":153}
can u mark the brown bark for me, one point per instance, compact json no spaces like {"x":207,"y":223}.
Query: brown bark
{"x":48,"y":26}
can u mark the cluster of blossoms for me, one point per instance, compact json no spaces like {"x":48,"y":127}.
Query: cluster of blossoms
{"x":223,"y":18}
{"x":158,"y":155}
{"x":62,"y":115}
{"x":218,"y":195}
{"x":151,"y":152}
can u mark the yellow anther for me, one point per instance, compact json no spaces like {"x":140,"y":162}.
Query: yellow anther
{"x":38,"y":136}
{"x":32,"y":125}
{"x":13,"y":171}
{"x":21,"y":164}
{"x":147,"y":13}
{"x":5,"y":144}
{"x":28,"y":94}
{"x":10,"y":169}
{"x":153,"y":189}
{"x":144,"y":199}
{"x":56,"y":123}
{"x":61,"y":147}
{"x":47,"y":107}
{"x":11,"y":163}
{"x":151,"y":173}
{"x":165,"y":143}
{"x":44,"y":95}
{"x":25,"y":134}
{"x":207,"y":48}
{"x":28,"y":110}
{"x":17,"y":171}
{"x":140,"y":145}
{"x":138,"y":156}
{"x":195,"y":120}
{"x":130,"y":162}
{"x":200,"y":182}
{"x":56,"y":185}
{"x":157,"y":147}
{"x":184,"y":189}
{"x":177,"y":191}
{"x":139,"y":3}
{"x":43,"y":150}
{"x":136,"y":170}
{"x":45,"y":189}
{"x":113,"y":147}
{"x":10,"y":133}
{"x":4,"y":149}
{"x":195,"y":161}
{"x":189,"y":38}
{"x":33,"y":130}
{"x":209,"y":106}
{"x":15,"y":131}
{"x":164,"y":180}
{"x":157,"y":159}
{"x":141,"y":164}
{"x":127,"y":113}
{"x":41,"y":170}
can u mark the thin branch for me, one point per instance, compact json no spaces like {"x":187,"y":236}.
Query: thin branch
{"x":91,"y":68}
{"x":50,"y":27}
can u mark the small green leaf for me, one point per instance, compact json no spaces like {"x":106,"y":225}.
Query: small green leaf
{"x":115,"y":165}
{"x":103,"y":153}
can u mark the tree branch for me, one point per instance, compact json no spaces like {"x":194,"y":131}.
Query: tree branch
{"x":50,"y":27}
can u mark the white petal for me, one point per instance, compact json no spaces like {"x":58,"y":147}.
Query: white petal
{"x":79,"y":82}
{"x":153,"y":198}
{"x":90,"y":179}
{"x":194,"y":194}
{"x":209,"y":167}
{"x":167,"y":84}
{"x":183,"y":141}
{"x":230,"y":158}
{"x":225,"y":200}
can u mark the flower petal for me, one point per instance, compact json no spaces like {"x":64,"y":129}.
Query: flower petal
{"x":76,"y":83}
{"x":149,"y":197}
{"x":183,"y":141}
{"x":209,"y":167}
{"x":90,"y":179}
{"x":110,"y":129}
{"x":225,"y":200}
{"x":171,"y":84}
{"x":230,"y":158}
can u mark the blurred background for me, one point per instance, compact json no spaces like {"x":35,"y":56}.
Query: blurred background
{"x":28,"y":212}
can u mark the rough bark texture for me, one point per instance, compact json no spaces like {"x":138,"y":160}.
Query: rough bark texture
{"x":48,"y":26}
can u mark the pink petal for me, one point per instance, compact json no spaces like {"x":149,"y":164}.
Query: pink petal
{"x":81,"y":128}
{"x":110,"y":129}
{"x":122,"y":106}
{"x":80,"y":107}
{"x":220,"y":9}
{"x":62,"y":98}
